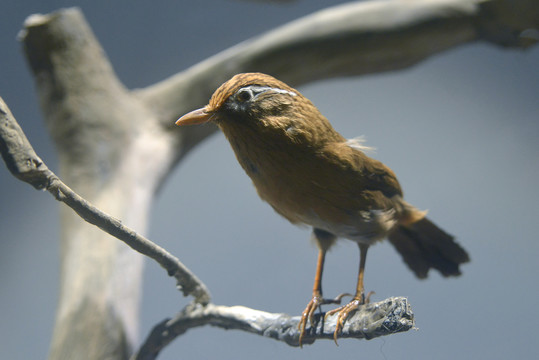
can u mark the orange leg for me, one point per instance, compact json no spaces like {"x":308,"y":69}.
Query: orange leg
{"x":316,"y":301}
{"x":324,"y":241}
{"x":359,"y":298}
{"x":308,"y":314}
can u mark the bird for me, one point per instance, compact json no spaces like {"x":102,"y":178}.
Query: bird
{"x":311,"y":175}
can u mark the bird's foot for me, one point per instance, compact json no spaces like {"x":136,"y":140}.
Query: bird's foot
{"x":345,"y":311}
{"x":308,"y":314}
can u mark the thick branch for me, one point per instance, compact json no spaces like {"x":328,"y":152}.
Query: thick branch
{"x":103,"y":137}
{"x":386,"y":317}
{"x":23,"y":163}
{"x":350,"y":39}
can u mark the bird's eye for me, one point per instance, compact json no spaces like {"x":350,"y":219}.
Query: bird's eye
{"x":244,"y":95}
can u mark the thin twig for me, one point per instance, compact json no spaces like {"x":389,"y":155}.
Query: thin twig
{"x":23,"y":162}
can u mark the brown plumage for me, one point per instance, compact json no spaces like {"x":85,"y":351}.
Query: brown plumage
{"x":312,"y":175}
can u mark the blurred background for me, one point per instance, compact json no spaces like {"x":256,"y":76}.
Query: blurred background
{"x":460,"y":130}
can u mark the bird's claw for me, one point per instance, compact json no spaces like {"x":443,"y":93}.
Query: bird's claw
{"x":337,"y":300}
{"x":344,"y":312}
{"x":368,"y":297}
{"x":308,"y":314}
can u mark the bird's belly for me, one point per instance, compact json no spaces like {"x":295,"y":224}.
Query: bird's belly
{"x":362,"y":226}
{"x":365,"y":226}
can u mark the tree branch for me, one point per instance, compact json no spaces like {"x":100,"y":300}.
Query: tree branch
{"x":18,"y":154}
{"x":350,"y":39}
{"x":23,"y":162}
{"x":386,"y":317}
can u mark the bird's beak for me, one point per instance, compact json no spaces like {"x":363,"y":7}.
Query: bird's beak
{"x":198,"y":116}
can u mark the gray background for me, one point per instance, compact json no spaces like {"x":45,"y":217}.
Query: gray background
{"x":460,"y":130}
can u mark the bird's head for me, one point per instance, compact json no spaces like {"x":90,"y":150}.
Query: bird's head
{"x":257,"y":103}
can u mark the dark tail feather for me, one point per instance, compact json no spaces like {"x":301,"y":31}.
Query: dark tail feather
{"x":423,"y":246}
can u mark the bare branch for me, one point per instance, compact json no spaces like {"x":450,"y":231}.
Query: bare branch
{"x":386,"y":317}
{"x":348,"y":40}
{"x":22,"y":161}
{"x":18,"y":154}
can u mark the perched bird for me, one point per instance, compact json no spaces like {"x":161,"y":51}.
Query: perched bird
{"x":313,"y":176}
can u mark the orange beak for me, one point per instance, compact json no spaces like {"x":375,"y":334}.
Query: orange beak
{"x":195,"y":117}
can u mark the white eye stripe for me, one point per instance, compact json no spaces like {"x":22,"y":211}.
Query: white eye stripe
{"x":280,"y":91}
{"x":260,"y":89}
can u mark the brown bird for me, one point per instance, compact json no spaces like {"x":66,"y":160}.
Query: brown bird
{"x":313,"y":176}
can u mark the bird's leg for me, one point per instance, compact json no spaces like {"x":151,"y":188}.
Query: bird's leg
{"x":317,"y":300}
{"x":324,"y":240}
{"x":358,"y":299}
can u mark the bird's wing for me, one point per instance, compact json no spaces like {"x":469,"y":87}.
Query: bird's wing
{"x":365,"y":173}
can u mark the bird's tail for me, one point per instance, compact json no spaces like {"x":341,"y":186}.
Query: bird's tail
{"x":423,"y":246}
